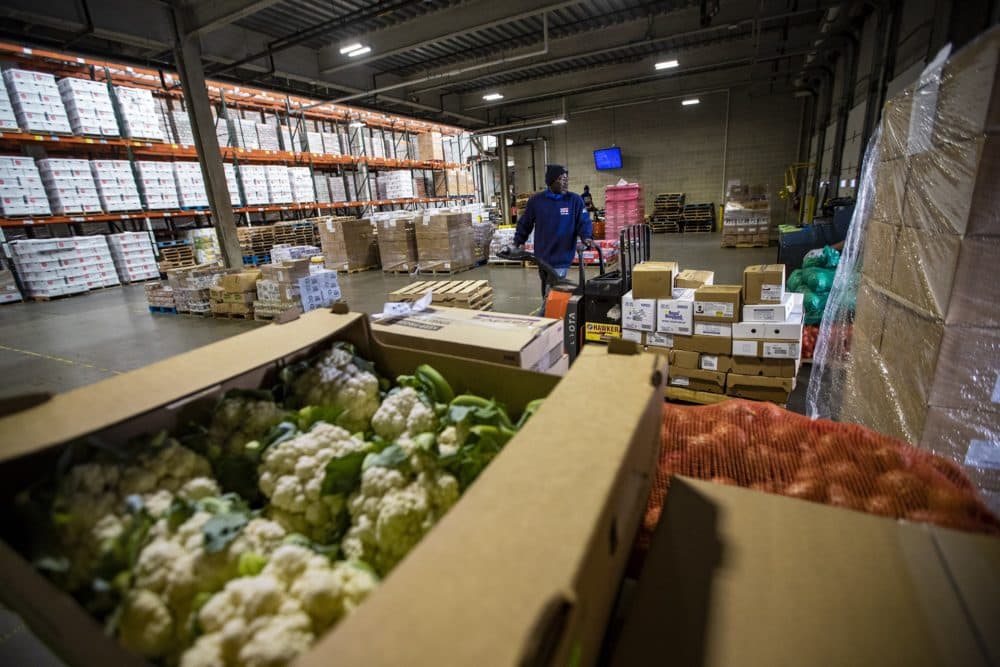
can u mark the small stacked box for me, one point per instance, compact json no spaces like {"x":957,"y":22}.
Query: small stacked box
{"x":21,"y":188}
{"x":311,"y":141}
{"x":116,"y":186}
{"x":285,"y":133}
{"x":139,"y":113}
{"x":160,"y":298}
{"x":279,"y":188}
{"x":254,"y":180}
{"x":429,"y":146}
{"x":157,"y":184}
{"x":322,"y":186}
{"x":8,"y":119}
{"x":9,"y":293}
{"x":206,"y":245}
{"x":180,"y":123}
{"x":746,"y":218}
{"x":398,"y":184}
{"x":38,"y":106}
{"x":623,"y":205}
{"x":397,"y":244}
{"x":133,"y":256}
{"x":56,"y":267}
{"x":244,"y":133}
{"x":69,"y":185}
{"x":267,"y":137}
{"x":338,"y":191}
{"x":232,"y":183}
{"x":190,"y":184}
{"x":445,"y":242}
{"x":300,"y":179}
{"x":88,"y":106}
{"x":278,"y":287}
{"x":347,"y":244}
{"x":331,"y":143}
{"x":191,"y":287}
{"x":235,"y":294}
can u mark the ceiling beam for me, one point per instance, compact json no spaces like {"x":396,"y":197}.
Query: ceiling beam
{"x":199,"y":17}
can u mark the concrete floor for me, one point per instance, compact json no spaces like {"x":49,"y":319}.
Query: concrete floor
{"x":58,"y":345}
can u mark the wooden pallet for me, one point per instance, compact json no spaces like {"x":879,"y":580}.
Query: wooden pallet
{"x":469,"y":294}
{"x":400,"y":267}
{"x":436,"y":269}
{"x":506,"y":262}
{"x":235,"y":316}
{"x":356,"y":269}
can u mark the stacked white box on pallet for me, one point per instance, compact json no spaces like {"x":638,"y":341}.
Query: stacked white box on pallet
{"x":376,"y":145}
{"x":116,"y":186}
{"x":190,"y":184}
{"x":267,"y":137}
{"x":206,"y":245}
{"x":398,"y":184}
{"x":322,"y":187}
{"x":69,"y":185}
{"x":286,"y":139}
{"x":301,"y":181}
{"x":181,"y":125}
{"x":338,"y":192}
{"x":8,"y":120}
{"x":37,"y":104}
{"x":223,"y":134}
{"x":133,"y":256}
{"x":254,"y":180}
{"x":311,"y":142}
{"x":9,"y":291}
{"x":233,"y":185}
{"x":331,"y":143}
{"x":88,"y":106}
{"x":139,"y":113}
{"x":157,"y":184}
{"x":60,"y":266}
{"x":244,"y":133}
{"x":279,"y":189}
{"x":21,"y":189}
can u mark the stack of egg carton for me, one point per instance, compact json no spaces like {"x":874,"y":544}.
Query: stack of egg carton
{"x":279,"y":188}
{"x":311,"y":141}
{"x":133,"y":256}
{"x":8,"y":120}
{"x":69,"y":185}
{"x":21,"y":188}
{"x":190,"y":184}
{"x":88,"y":105}
{"x":156,"y":182}
{"x":233,"y":185}
{"x":115,"y":185}
{"x":322,"y":187}
{"x":331,"y":143}
{"x":38,"y":106}
{"x":139,"y":113}
{"x":338,"y":193}
{"x":254,"y":180}
{"x":286,"y":139}
{"x":181,"y":124}
{"x":302,"y":184}
{"x":244,"y":133}
{"x":61,"y":266}
{"x":267,"y":137}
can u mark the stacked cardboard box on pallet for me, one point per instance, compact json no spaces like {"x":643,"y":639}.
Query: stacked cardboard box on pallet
{"x":429,"y":146}
{"x":253,"y":177}
{"x":88,"y":106}
{"x":133,"y":256}
{"x":139,"y":113}
{"x":160,"y":297}
{"x":235,"y":294}
{"x":60,"y":266}
{"x":190,"y":184}
{"x":9,"y":292}
{"x":348,"y":243}
{"x":232,"y":184}
{"x":69,"y":185}
{"x":21,"y":189}
{"x":278,"y":287}
{"x":279,"y":188}
{"x":180,"y":123}
{"x":37,"y":103}
{"x":445,"y":242}
{"x":192,"y":287}
{"x":301,"y":182}
{"x":267,"y":137}
{"x":116,"y":185}
{"x":397,"y":243}
{"x":8,"y":119}
{"x":746,"y":218}
{"x":157,"y":184}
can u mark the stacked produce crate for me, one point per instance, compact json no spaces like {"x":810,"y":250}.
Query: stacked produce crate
{"x":445,"y":243}
{"x":88,"y":106}
{"x":746,"y":218}
{"x":61,"y":266}
{"x":397,"y":244}
{"x":190,"y":184}
{"x":9,"y":292}
{"x":21,"y":189}
{"x":133,"y":256}
{"x":69,"y":185}
{"x":698,"y":218}
{"x":235,"y":294}
{"x":348,"y":244}
{"x":623,"y":206}
{"x":38,"y":106}
{"x":468,"y":294}
{"x":157,"y":184}
{"x":668,"y":208}
{"x":278,"y":288}
{"x":116,"y":185}
{"x":191,"y":287}
{"x":139,"y":113}
{"x":160,"y":298}
{"x":256,"y":244}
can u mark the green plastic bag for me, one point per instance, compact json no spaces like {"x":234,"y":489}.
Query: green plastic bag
{"x":827,"y":258}
{"x":820,"y":280}
{"x":795,"y":281}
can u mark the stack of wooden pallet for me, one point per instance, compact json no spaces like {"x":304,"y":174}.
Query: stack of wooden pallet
{"x":175,"y":255}
{"x":668,"y":208}
{"x":469,"y":294}
{"x":297,"y":232}
{"x":698,"y":218}
{"x":256,"y":244}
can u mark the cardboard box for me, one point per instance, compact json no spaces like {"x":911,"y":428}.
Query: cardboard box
{"x":697,"y":380}
{"x":759,"y":388}
{"x":703,"y":344}
{"x":790,"y":330}
{"x":764,"y":283}
{"x":781,"y":368}
{"x":638,"y":314}
{"x":552,"y":555}
{"x":714,"y":330}
{"x":659,"y":340}
{"x":242,"y":281}
{"x":717,"y":303}
{"x":724,"y":561}
{"x":684,"y":359}
{"x":721,"y":363}
{"x":777,"y":312}
{"x":675,"y":315}
{"x":654,"y":280}
{"x":693,"y":279}
{"x":633,"y":336}
{"x":289,"y":271}
{"x":778,"y":349}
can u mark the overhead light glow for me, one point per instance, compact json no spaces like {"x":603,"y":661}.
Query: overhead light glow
{"x":490,"y":97}
{"x":350,"y":47}
{"x":559,"y":121}
{"x":355,"y":123}
{"x":693,"y":100}
{"x":509,"y":142}
{"x":667,"y":64}
{"x":359,"y":52}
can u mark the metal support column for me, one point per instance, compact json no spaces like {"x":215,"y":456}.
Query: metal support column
{"x":187,"y":53}
{"x":505,"y":189}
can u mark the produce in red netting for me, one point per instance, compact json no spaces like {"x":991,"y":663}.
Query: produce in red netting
{"x":810,"y":332}
{"x":767,"y":448}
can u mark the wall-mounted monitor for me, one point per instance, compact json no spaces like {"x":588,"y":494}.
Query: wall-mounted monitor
{"x":608,"y":158}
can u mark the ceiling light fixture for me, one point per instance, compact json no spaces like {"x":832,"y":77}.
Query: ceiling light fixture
{"x":509,"y":142}
{"x":667,"y":64}
{"x":360,"y":52}
{"x":559,"y":121}
{"x":350,"y":47}
{"x":693,"y":100}
{"x":490,"y":97}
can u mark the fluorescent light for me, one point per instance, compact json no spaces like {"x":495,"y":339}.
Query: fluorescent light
{"x":510,"y":163}
{"x":509,"y":142}
{"x":693,"y":100}
{"x":667,"y":64}
{"x":490,"y":97}
{"x":559,"y":121}
{"x":359,"y":52}
{"x":350,"y":47}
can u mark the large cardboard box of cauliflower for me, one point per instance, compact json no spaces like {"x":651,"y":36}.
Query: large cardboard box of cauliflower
{"x":522,"y":566}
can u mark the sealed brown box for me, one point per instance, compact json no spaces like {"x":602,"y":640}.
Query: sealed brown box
{"x":963,"y":110}
{"x":973,"y":301}
{"x":684,"y":359}
{"x":288,"y":271}
{"x":924,"y":268}
{"x":654,"y":280}
{"x":869,"y":311}
{"x":445,"y":241}
{"x":879,"y":252}
{"x":718,"y":303}
{"x":967,"y":436}
{"x":220,"y":307}
{"x":239,"y":297}
{"x":764,"y":283}
{"x":693,"y":279}
{"x":242,"y":281}
{"x":896,"y":125}
{"x":967,"y":374}
{"x":397,"y":244}
{"x":348,"y":244}
{"x":693,"y":379}
{"x":721,"y":363}
{"x":868,"y":398}
{"x":759,"y":388}
{"x":429,"y":146}
{"x":703,"y":344}
{"x":780,"y":368}
{"x":217,"y":293}
{"x":890,"y":187}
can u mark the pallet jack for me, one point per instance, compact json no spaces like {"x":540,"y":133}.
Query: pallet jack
{"x":603,"y":294}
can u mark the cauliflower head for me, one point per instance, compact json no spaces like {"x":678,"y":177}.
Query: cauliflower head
{"x":337,"y":381}
{"x":403,"y":412}
{"x":291,"y":476}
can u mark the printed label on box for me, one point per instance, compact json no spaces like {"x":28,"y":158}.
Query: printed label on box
{"x":773,"y":293}
{"x":713,"y":308}
{"x":720,"y":330}
{"x":781,"y":350}
{"x":709,"y":362}
{"x":680,"y":382}
{"x":760,"y":314}
{"x":744,"y":348}
{"x":660,"y":339}
{"x":632,"y":335}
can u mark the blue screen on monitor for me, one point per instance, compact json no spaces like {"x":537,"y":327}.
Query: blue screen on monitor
{"x":608,"y":158}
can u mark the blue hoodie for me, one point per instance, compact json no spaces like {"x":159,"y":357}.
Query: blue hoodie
{"x":558,"y":221}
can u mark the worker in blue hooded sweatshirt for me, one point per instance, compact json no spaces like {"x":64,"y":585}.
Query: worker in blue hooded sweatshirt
{"x":559,"y":217}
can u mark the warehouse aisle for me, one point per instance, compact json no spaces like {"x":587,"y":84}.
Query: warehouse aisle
{"x":58,"y":345}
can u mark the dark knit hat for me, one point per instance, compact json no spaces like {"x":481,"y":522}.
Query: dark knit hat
{"x":553,"y":172}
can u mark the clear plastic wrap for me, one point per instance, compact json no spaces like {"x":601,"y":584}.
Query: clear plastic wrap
{"x":909,"y":344}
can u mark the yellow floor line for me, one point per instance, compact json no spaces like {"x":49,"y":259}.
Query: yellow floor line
{"x":50,"y":357}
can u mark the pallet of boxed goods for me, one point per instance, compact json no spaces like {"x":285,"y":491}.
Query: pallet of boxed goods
{"x":160,"y":298}
{"x":51,"y":268}
{"x":445,"y":243}
{"x":469,"y":294}
{"x":348,"y":244}
{"x":234,"y":295}
{"x":191,"y":286}
{"x":746,"y":218}
{"x":397,"y":244}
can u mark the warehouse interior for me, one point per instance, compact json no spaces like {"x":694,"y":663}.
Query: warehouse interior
{"x":790,"y":212}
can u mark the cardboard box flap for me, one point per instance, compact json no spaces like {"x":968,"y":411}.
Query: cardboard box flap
{"x":543,"y":560}
{"x":737,"y":577}
{"x":760,"y":381}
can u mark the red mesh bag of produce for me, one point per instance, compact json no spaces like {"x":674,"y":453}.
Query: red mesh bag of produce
{"x":810,"y":332}
{"x":761,"y":446}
